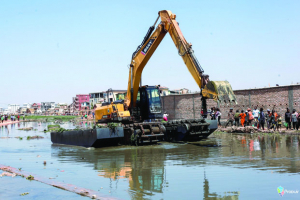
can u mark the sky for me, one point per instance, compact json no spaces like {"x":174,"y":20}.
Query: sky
{"x":53,"y":50}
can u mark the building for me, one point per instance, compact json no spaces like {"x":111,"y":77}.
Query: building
{"x":113,"y":95}
{"x":179,"y":91}
{"x":1,"y":110}
{"x":31,"y":111}
{"x":36,"y":107}
{"x":23,"y":110}
{"x":97,"y":98}
{"x":79,"y":99}
{"x":106,"y":96}
{"x":47,"y":106}
{"x":164,"y":91}
{"x":71,"y":107}
{"x":62,"y":108}
{"x":26,"y":105}
{"x":85,"y":106}
{"x":13,"y":108}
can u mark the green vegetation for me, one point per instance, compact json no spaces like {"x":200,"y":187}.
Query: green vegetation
{"x":55,"y":126}
{"x":111,"y":126}
{"x":60,"y":130}
{"x":51,"y":118}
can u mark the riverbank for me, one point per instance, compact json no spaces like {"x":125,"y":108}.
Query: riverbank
{"x":251,"y":129}
{"x":5,"y":123}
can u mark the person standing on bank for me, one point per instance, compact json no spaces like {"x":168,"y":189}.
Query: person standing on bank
{"x":273,"y":120}
{"x":218,"y":116}
{"x":279,"y":122}
{"x":287,"y":118}
{"x":298,"y":119}
{"x":262,"y":119}
{"x":294,"y":119}
{"x":268,"y":116}
{"x":255,"y":115}
{"x":246,"y":118}
{"x":242,"y":116}
{"x":230,"y":117}
{"x":237,"y":118}
{"x":250,"y":119}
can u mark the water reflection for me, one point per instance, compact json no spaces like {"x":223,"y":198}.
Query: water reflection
{"x":277,"y":152}
{"x":216,"y":196}
{"x":145,"y":167}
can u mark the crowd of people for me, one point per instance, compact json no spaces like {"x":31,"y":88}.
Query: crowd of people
{"x":12,"y":118}
{"x":259,"y":118}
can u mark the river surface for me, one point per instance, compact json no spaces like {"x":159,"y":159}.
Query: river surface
{"x":226,"y":166}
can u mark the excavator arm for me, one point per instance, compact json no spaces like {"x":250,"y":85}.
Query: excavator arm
{"x":217,"y":90}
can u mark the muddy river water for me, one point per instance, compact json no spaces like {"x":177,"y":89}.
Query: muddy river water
{"x":226,"y":166}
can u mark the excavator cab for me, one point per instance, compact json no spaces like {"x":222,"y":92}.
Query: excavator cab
{"x":148,"y":104}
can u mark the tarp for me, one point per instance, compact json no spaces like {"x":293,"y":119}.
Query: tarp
{"x":220,"y":91}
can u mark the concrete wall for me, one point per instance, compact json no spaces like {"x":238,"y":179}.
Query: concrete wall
{"x":188,"y":106}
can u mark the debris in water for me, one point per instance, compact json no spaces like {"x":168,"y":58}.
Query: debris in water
{"x":30,"y":177}
{"x":34,"y":137}
{"x":25,"y":193}
{"x":26,"y":128}
{"x":94,"y":197}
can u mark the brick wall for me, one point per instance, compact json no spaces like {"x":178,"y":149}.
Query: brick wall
{"x":188,"y":106}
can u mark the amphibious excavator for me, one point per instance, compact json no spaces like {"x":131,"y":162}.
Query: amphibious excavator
{"x":141,"y":111}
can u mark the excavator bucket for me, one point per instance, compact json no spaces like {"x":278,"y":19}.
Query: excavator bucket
{"x":220,"y":91}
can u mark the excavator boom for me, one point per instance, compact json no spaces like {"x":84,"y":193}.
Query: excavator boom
{"x":216,"y":90}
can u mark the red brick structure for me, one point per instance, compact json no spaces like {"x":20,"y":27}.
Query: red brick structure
{"x":188,"y":106}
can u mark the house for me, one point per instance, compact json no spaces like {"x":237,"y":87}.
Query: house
{"x":36,"y":107}
{"x":85,"y":105}
{"x":26,"y":105}
{"x":62,"y":108}
{"x":164,"y":91}
{"x":31,"y":111}
{"x":23,"y":110}
{"x":97,"y":98}
{"x":113,"y":95}
{"x":179,"y":91}
{"x":13,"y":108}
{"x":47,"y":106}
{"x":79,"y":99}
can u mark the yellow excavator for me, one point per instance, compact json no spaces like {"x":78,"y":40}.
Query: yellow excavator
{"x":142,"y":104}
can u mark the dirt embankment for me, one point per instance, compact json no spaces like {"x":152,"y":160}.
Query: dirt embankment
{"x":251,"y":129}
